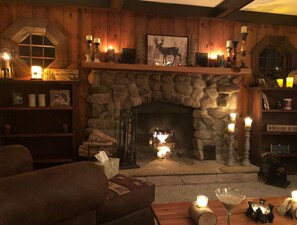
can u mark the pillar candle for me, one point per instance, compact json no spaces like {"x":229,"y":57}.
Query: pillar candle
{"x":229,"y":44}
{"x":244,"y":29}
{"x":32,"y":100}
{"x":231,"y":127}
{"x":248,"y":122}
{"x":97,"y":40}
{"x":41,"y":100}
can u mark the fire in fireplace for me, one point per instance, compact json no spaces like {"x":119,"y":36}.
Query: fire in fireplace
{"x":163,"y":142}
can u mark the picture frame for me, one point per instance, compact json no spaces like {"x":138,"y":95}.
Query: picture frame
{"x":17,"y":98}
{"x":59,"y":97}
{"x":164,"y":50}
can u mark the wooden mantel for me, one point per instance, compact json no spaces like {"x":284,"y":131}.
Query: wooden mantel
{"x":165,"y":69}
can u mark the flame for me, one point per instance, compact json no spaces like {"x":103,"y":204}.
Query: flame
{"x":163,"y":152}
{"x":162,"y":137}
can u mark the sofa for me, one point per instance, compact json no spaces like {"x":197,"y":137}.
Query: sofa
{"x":76,"y":193}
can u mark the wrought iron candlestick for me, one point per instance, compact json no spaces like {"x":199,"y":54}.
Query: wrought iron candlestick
{"x":243,"y":49}
{"x":246,"y":161}
{"x":235,"y":43}
{"x":97,"y":52}
{"x":231,"y":160}
{"x":228,"y":64}
{"x":89,"y":51}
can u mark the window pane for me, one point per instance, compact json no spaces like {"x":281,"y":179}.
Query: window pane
{"x":25,"y":60}
{"x":49,"y":52}
{"x":37,"y":39}
{"x":37,"y":51}
{"x":24,"y":51}
{"x":26,"y":40}
{"x":37,"y":62}
{"x":47,"y":41}
{"x":47,"y":62}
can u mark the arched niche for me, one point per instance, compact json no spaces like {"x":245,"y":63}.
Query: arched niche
{"x":20,"y":29}
{"x":271,"y":52}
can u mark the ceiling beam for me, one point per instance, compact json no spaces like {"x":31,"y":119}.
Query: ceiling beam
{"x":228,"y":7}
{"x":116,"y":4}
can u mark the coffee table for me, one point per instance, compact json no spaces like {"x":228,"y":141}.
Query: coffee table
{"x":177,"y":213}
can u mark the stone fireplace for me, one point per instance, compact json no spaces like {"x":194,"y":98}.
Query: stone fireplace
{"x":207,"y":99}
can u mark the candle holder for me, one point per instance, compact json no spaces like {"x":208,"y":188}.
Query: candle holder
{"x":89,"y":51}
{"x":231,"y":161}
{"x":228,"y":63}
{"x":246,"y":161}
{"x":97,"y":52}
{"x":235,"y":43}
{"x":243,"y":49}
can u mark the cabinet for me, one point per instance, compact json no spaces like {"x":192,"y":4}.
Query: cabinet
{"x":49,"y":132}
{"x":266,"y":137}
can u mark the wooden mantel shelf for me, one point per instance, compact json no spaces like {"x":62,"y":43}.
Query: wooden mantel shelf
{"x":172,"y":69}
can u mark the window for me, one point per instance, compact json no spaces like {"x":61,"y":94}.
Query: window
{"x":35,"y":43}
{"x":37,"y":50}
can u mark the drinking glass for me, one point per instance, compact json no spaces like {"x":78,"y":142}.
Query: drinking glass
{"x":230,"y":198}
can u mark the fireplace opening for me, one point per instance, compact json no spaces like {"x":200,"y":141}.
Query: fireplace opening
{"x":173,"y":121}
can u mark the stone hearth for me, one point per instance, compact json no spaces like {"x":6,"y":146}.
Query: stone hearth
{"x":212,"y":98}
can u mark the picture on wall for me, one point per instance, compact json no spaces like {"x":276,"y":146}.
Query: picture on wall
{"x":167,"y":50}
{"x":17,"y":98}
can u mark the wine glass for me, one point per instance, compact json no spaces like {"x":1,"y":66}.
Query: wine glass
{"x":230,"y":198}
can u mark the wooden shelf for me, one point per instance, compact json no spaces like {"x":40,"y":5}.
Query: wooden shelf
{"x":173,"y":69}
{"x":279,"y":111}
{"x":54,"y":160}
{"x":37,"y":135}
{"x":26,"y":108}
{"x":29,"y":81}
{"x":278,"y":133}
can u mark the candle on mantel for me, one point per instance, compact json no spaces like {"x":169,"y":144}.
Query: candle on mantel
{"x":248,"y":122}
{"x":97,"y":40}
{"x":89,"y":37}
{"x":202,"y":201}
{"x":231,"y":127}
{"x":244,"y":29}
{"x":110,"y":54}
{"x":229,"y":44}
{"x":294,"y":196}
{"x":233,"y":117}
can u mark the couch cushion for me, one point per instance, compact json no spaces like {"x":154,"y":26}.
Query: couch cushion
{"x":125,"y":195}
{"x":14,"y":159}
{"x":51,"y":195}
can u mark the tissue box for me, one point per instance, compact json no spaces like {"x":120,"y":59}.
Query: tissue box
{"x":111,"y":167}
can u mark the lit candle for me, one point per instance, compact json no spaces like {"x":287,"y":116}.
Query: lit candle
{"x":97,"y":40}
{"x":294,"y":196}
{"x":248,"y":122}
{"x":233,"y":117}
{"x":244,"y":29}
{"x":202,"y":201}
{"x":289,"y":81}
{"x":36,"y":72}
{"x":229,"y":44}
{"x":110,"y":54}
{"x":89,"y":37}
{"x":231,"y":127}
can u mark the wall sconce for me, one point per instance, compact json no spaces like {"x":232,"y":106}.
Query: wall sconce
{"x":36,"y":72}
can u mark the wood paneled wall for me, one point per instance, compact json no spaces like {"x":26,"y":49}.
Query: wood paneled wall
{"x":121,"y":28}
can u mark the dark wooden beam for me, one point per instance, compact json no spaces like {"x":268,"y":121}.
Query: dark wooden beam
{"x":263,"y":18}
{"x":227,"y":7}
{"x":116,"y":4}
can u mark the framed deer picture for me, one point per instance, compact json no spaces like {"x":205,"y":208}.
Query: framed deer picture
{"x":167,"y":50}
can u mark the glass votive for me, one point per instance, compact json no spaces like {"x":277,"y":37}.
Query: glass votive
{"x":280,"y":82}
{"x":202,"y":201}
{"x":289,"y":82}
{"x":294,"y":196}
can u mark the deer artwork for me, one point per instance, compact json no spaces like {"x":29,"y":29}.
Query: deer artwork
{"x":166,"y":51}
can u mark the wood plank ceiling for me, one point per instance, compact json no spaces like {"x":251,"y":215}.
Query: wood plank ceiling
{"x":228,"y":9}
